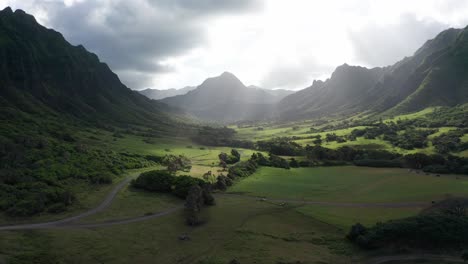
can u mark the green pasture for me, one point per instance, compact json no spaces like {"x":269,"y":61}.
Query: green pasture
{"x":351,"y":184}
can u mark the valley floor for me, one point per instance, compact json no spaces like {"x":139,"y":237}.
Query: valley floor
{"x":278,"y":229}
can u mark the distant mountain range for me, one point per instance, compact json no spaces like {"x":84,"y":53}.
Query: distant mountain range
{"x":436,"y":75}
{"x":161,"y":94}
{"x":41,"y":73}
{"x":226,"y":99}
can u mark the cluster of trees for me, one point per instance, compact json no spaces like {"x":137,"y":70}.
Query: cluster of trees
{"x":410,"y":138}
{"x":177,"y":163}
{"x":444,"y":116}
{"x":196,"y":192}
{"x":446,"y":228}
{"x":437,"y":163}
{"x":272,"y":161}
{"x":224,"y":136}
{"x":450,"y":141}
{"x":225,"y":158}
{"x":281,"y":146}
{"x":318,"y":155}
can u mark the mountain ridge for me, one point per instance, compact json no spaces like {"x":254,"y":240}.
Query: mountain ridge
{"x":225,"y":98}
{"x":41,"y":70}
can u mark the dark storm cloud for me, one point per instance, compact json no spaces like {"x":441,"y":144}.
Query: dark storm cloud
{"x":135,"y":36}
{"x":384,"y":45}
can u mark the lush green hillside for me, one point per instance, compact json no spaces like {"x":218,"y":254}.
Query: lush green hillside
{"x":434,"y":76}
{"x":51,"y":92}
{"x":41,"y":73}
{"x":444,"y":78}
{"x":343,"y":94}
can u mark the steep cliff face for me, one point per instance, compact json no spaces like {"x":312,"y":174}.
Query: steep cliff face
{"x":41,"y":72}
{"x":436,"y":75}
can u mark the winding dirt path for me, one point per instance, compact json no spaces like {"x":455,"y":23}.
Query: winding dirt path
{"x":70,"y":221}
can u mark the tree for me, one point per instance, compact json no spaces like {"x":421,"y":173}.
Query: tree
{"x":236,"y":154}
{"x":208,"y":198}
{"x":207,"y":176}
{"x":154,"y":181}
{"x":356,"y":231}
{"x":317,"y":141}
{"x":223,"y":156}
{"x":293,"y":163}
{"x":221,"y":183}
{"x":193,"y":205}
{"x":223,"y":164}
{"x":176,"y":163}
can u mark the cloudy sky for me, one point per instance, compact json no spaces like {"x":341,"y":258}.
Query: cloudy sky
{"x":270,"y":43}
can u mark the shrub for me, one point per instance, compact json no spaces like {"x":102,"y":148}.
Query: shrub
{"x":432,"y":230}
{"x":154,"y":181}
{"x":101,"y":178}
{"x":181,"y":185}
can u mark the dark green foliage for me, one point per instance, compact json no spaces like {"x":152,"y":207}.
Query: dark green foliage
{"x":318,"y":155}
{"x":293,"y":163}
{"x":193,"y":205}
{"x":410,"y":138}
{"x":224,"y":136}
{"x":182,"y":184}
{"x":154,"y":181}
{"x":208,"y":198}
{"x":260,"y":159}
{"x":449,"y":142}
{"x":229,"y":159}
{"x":164,"y":181}
{"x":177,"y":163}
{"x":55,"y":164}
{"x":278,"y":162}
{"x":101,"y":178}
{"x":281,"y":146}
{"x":236,"y":154}
{"x":242,"y":169}
{"x":154,"y":158}
{"x":332,"y":137}
{"x":420,"y":160}
{"x":221,"y":182}
{"x":356,"y":231}
{"x":434,"y":230}
{"x":348,"y":154}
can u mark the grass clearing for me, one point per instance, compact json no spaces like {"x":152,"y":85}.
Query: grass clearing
{"x":251,"y":232}
{"x":351,"y":184}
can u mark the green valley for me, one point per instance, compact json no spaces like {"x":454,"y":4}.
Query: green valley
{"x":367,"y":166}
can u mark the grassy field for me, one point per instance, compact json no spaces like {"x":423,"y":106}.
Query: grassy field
{"x":238,"y":227}
{"x":351,"y":184}
{"x":251,"y":232}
